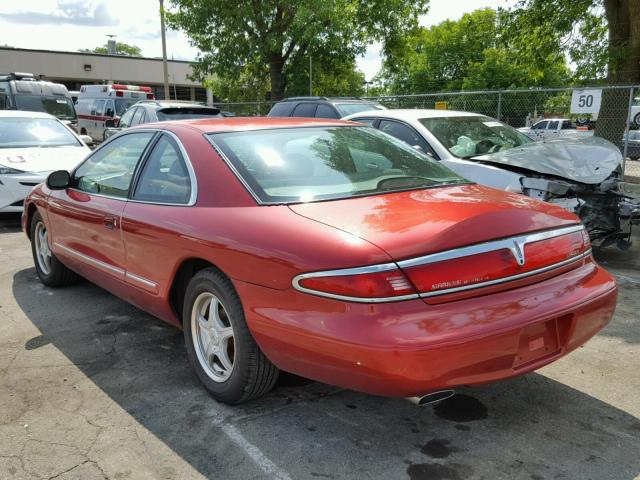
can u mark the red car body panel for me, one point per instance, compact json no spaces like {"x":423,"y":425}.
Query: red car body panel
{"x":402,"y":348}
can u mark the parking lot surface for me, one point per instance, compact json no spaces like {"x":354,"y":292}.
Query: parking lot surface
{"x":93,"y":388}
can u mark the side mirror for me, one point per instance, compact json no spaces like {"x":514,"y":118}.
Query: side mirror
{"x":59,"y":180}
{"x":86,"y":139}
{"x":110,"y":123}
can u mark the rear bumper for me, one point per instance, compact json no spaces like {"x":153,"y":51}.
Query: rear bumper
{"x":411,"y":348}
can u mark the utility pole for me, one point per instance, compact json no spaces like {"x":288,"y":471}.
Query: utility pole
{"x":167,"y":93}
{"x":310,"y":77}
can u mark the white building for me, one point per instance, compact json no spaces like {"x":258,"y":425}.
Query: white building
{"x":74,"y":69}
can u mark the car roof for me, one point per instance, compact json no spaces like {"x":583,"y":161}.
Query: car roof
{"x":171,"y":104}
{"x":24,"y":114}
{"x":328,"y":99}
{"x":413,"y":113}
{"x":238,"y":124}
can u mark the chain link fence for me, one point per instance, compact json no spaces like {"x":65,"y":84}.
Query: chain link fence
{"x":542,"y":114}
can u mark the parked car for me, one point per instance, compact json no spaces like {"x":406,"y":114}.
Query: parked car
{"x":151,"y":111}
{"x":323,"y":248}
{"x":551,"y":128}
{"x":634,"y":114}
{"x":321,"y":107}
{"x":23,"y":91}
{"x":581,"y":175}
{"x":633,"y":146}
{"x":32,"y":144}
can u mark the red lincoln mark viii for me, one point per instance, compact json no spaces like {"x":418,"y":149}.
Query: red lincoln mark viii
{"x":323,"y":248}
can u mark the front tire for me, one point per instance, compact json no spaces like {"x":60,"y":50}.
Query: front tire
{"x":219,"y":345}
{"x":50,"y":270}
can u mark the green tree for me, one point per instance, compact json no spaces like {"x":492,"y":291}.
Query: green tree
{"x":601,"y":36}
{"x":274,"y":35}
{"x":475,"y":52}
{"x":332,"y":76}
{"x":121,"y":49}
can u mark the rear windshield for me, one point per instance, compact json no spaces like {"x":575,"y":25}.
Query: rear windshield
{"x":322,"y":163}
{"x":186,"y":113}
{"x":21,"y":132}
{"x":122,"y":105}
{"x":351,"y":108}
{"x":61,"y":107}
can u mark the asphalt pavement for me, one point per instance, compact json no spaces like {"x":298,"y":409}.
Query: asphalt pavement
{"x":93,"y":388}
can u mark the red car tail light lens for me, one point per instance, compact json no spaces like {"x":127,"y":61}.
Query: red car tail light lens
{"x":378,"y":283}
{"x":512,"y":259}
{"x":498,"y":264}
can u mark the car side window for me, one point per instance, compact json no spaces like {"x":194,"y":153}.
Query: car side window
{"x":305,"y":110}
{"x":404,"y":133}
{"x":553,"y":125}
{"x":110,"y":169}
{"x":125,"y":121}
{"x":164,"y":177}
{"x":540,"y":126}
{"x":137,"y":117}
{"x":99,"y":107}
{"x":326,"y":111}
{"x":282,"y":109}
{"x":110,"y":109}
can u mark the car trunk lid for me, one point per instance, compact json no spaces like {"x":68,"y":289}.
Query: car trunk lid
{"x":451,"y":242}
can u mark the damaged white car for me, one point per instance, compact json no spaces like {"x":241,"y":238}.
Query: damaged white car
{"x":582,"y":175}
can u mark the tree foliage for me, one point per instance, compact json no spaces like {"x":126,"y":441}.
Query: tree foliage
{"x":273,"y":37}
{"x":479,"y":51}
{"x":121,"y":49}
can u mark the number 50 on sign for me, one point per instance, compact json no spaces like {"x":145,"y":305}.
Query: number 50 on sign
{"x":586,"y":101}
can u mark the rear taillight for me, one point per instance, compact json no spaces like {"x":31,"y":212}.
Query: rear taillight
{"x":367,"y":284}
{"x":516,"y":258}
{"x":465,"y":271}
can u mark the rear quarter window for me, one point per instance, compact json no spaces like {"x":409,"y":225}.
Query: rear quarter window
{"x":281,"y":109}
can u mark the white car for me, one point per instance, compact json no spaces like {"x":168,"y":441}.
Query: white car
{"x":578,"y":174}
{"x":32,"y":145}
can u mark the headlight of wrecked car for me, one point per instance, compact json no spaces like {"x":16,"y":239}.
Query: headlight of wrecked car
{"x":9,"y":171}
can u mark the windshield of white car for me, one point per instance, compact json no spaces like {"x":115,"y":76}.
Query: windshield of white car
{"x":471,"y":136}
{"x":61,"y":107}
{"x":21,"y":132}
{"x":350,"y":108}
{"x":304,"y":164}
{"x":122,"y":105}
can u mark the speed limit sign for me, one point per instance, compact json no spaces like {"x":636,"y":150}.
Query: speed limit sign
{"x":586,"y":101}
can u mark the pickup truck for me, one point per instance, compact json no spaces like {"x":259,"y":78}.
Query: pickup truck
{"x":550,"y":128}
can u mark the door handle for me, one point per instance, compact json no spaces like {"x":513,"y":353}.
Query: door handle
{"x":110,"y":222}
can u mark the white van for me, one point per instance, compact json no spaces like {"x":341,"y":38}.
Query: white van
{"x":97,"y":103}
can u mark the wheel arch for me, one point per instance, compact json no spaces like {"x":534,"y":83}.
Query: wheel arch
{"x":29,"y":212}
{"x":181,"y":278}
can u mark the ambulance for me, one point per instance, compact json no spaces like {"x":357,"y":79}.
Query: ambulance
{"x":97,"y":103}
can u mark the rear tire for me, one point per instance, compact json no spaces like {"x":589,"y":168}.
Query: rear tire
{"x":50,"y":270}
{"x":219,"y":345}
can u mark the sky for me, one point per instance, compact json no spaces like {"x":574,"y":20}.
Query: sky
{"x":77,"y":24}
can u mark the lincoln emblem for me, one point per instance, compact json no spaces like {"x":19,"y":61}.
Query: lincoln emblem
{"x":518,"y":251}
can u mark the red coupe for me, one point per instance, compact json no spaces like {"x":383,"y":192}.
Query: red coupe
{"x":323,"y":248}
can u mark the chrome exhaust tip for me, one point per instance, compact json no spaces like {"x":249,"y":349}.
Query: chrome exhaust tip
{"x":431,"y":398}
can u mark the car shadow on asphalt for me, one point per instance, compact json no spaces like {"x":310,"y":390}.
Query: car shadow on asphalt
{"x":530,"y":427}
